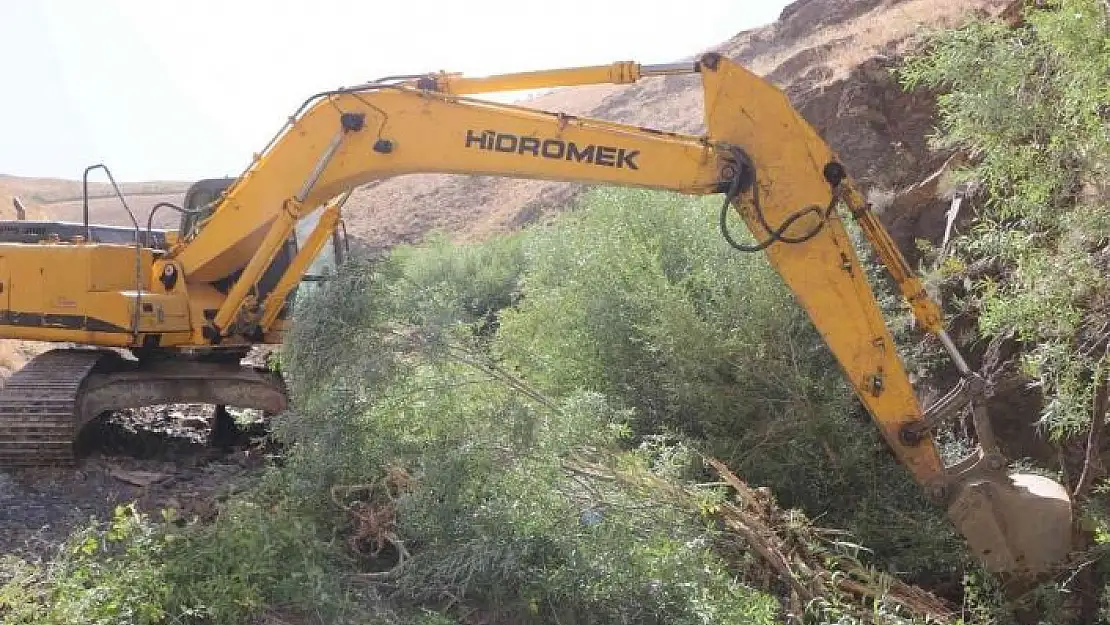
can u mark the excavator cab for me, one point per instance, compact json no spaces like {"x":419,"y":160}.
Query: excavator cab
{"x":201,"y":198}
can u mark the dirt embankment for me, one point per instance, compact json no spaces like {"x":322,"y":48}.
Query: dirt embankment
{"x":60,"y":199}
{"x":830,"y":56}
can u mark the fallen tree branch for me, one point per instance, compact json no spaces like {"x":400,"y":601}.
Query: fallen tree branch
{"x":792,"y":555}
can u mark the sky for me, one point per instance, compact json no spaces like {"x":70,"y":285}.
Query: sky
{"x":181,"y":90}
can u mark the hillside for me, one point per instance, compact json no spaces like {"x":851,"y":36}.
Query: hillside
{"x":57,"y":198}
{"x":831,"y":56}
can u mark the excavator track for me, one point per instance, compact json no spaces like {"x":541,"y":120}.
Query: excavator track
{"x":44,"y":405}
{"x":39,"y":408}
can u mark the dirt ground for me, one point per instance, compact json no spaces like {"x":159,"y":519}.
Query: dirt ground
{"x":158,"y":457}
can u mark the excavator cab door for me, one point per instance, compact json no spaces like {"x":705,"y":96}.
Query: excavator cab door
{"x":331,"y":256}
{"x":199,"y":202}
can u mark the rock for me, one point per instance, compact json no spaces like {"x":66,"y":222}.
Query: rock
{"x":195,"y":423}
{"x":137,"y":478}
{"x":9,"y":489}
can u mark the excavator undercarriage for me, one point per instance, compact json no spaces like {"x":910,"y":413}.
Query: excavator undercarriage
{"x":44,"y":405}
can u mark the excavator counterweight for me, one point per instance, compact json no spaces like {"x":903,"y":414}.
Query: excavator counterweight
{"x":226,"y":280}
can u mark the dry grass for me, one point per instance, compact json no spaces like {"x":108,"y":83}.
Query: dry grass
{"x":108,"y":210}
{"x":885,"y":29}
{"x":51,"y":190}
{"x":54,"y":198}
{"x":7,"y":209}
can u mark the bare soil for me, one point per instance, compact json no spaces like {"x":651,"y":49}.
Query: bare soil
{"x":109,"y":210}
{"x":158,"y":457}
{"x":56,"y":198}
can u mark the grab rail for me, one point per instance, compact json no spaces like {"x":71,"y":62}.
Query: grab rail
{"x":138,"y":243}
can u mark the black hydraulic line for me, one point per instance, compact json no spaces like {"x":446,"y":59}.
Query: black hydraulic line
{"x":170,"y":205}
{"x":774,"y":235}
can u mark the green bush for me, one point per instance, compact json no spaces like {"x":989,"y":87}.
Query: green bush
{"x":637,"y":297}
{"x":492,"y":518}
{"x":1029,"y":105}
{"x":256,"y":555}
{"x":133,"y":571}
{"x":107,"y":573}
{"x":439,"y":395}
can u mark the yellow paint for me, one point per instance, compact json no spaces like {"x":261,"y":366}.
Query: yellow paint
{"x":311,"y":247}
{"x":617,"y":73}
{"x":409,"y":130}
{"x":824,"y":272}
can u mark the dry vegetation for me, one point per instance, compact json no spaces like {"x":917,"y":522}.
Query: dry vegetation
{"x":108,"y":210}
{"x":54,"y":190}
{"x":54,"y":198}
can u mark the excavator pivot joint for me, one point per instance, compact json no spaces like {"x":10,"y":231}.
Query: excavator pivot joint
{"x":352,"y":122}
{"x":710,"y":61}
{"x":834,"y":173}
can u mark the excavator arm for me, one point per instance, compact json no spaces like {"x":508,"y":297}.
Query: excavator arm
{"x":771,"y":166}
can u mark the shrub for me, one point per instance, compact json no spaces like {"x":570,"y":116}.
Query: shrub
{"x":1029,"y":105}
{"x":637,"y":297}
{"x":486,"y":515}
{"x":106,"y":573}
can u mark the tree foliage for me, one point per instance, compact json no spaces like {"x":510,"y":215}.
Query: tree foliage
{"x":638,"y":298}
{"x":1029,"y":105}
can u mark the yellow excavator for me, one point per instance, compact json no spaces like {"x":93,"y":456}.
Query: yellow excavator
{"x":158,"y":316}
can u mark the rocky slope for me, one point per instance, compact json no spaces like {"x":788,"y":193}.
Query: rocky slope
{"x":830,"y":56}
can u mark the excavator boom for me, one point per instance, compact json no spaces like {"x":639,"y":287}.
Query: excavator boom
{"x":225,"y":281}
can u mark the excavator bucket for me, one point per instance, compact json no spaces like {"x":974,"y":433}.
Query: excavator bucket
{"x":1020,"y":524}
